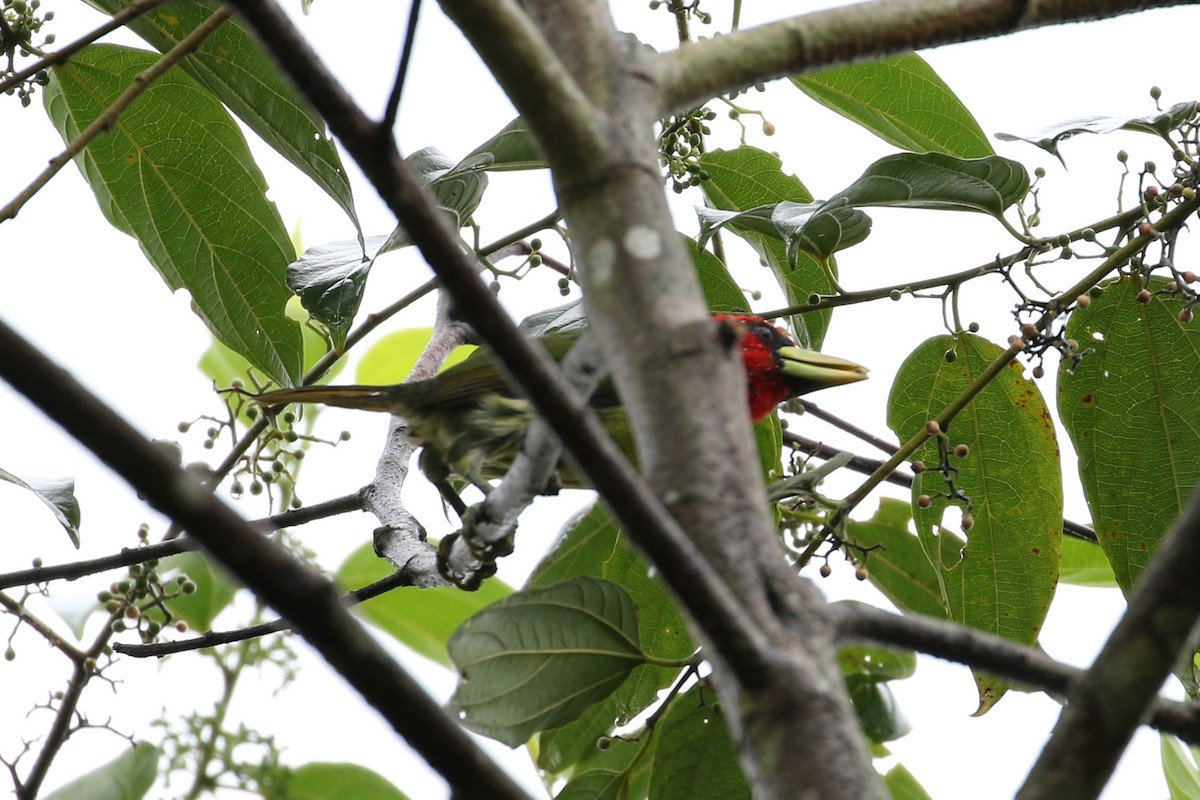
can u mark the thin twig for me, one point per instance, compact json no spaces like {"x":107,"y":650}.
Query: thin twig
{"x":119,"y":20}
{"x":108,"y":118}
{"x":410,"y":36}
{"x":833,"y":419}
{"x":210,"y":639}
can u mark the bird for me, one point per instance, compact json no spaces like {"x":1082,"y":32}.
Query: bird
{"x":471,"y":422}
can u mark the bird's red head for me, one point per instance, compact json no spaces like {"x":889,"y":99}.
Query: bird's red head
{"x":777,"y":369}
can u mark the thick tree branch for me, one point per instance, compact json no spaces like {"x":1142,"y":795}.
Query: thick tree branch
{"x":685,"y":395}
{"x":1106,"y":706}
{"x":691,"y":75}
{"x":297,"y":592}
{"x":636,"y":506}
{"x":1018,"y":663}
{"x":401,"y":539}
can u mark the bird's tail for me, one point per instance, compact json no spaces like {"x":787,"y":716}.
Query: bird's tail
{"x":368,"y":398}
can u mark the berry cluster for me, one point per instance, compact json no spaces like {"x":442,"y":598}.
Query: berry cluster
{"x":19,"y":24}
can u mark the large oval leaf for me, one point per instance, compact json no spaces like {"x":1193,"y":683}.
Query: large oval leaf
{"x":748,"y":178}
{"x":127,"y":777}
{"x":1159,"y":124}
{"x":174,"y":172}
{"x":902,"y":101}
{"x":59,"y":497}
{"x":592,"y":544}
{"x":935,"y":181}
{"x":695,"y":757}
{"x":1000,"y":576}
{"x":1130,"y":409}
{"x":422,"y":619}
{"x":232,"y":64}
{"x":597,"y":784}
{"x":540,"y":658}
{"x":214,"y":592}
{"x":322,"y":781}
{"x":331,"y":279}
{"x":898,"y":564}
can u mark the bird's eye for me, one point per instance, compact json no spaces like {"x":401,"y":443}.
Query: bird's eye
{"x":764,"y":332}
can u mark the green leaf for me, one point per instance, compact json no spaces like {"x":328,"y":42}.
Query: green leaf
{"x":876,"y":663}
{"x":819,"y":229}
{"x":1160,"y":124}
{"x":599,"y":784}
{"x":1084,"y":564}
{"x":696,"y":759}
{"x":1179,"y":768}
{"x":579,"y":638}
{"x":59,"y":497}
{"x":567,"y":318}
{"x":127,"y":777}
{"x":1130,"y":408}
{"x":174,"y":172}
{"x":330,"y":280}
{"x":457,"y":188}
{"x":935,"y":181}
{"x":1000,"y":576}
{"x":593,"y":545}
{"x":586,"y":542}
{"x":324,"y":781}
{"x":903,"y":786}
{"x":513,"y":148}
{"x":392,"y":358}
{"x":748,"y":178}
{"x":421,"y":619}
{"x":899,"y":566}
{"x":224,"y":366}
{"x":878,"y":714}
{"x":814,"y":228}
{"x":902,"y":101}
{"x":234,"y":66}
{"x":214,"y":589}
{"x":721,"y":291}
